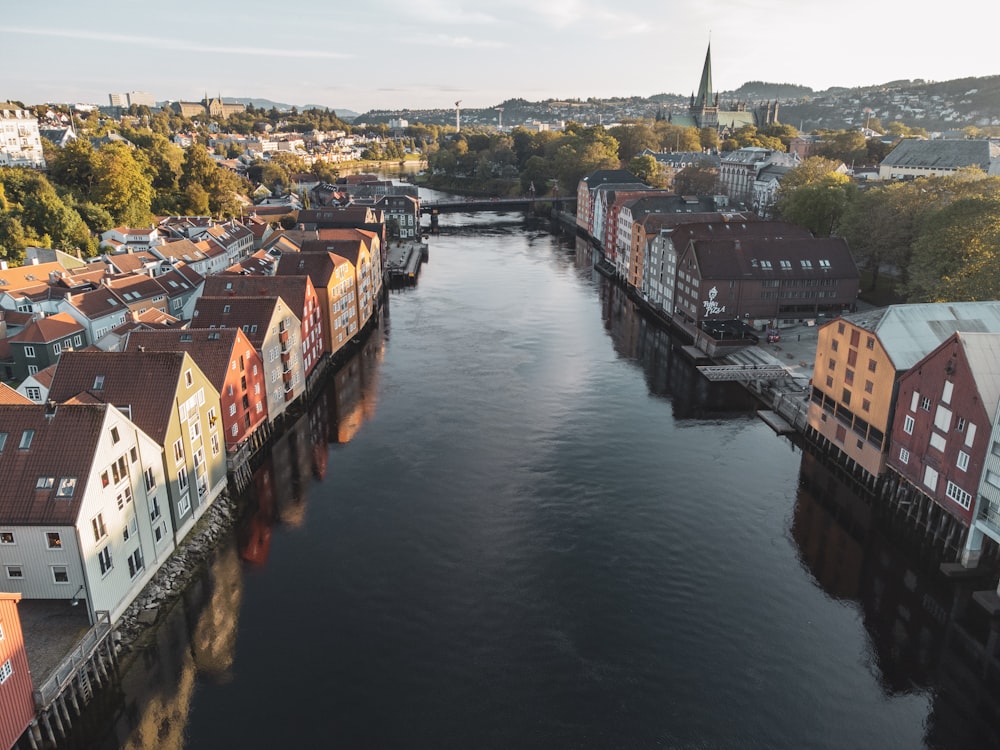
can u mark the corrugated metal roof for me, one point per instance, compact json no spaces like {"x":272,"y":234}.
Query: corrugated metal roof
{"x":910,"y":332}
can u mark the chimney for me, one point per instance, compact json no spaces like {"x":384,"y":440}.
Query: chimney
{"x":50,"y":409}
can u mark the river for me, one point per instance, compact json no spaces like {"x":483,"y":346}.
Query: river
{"x":520,"y":519}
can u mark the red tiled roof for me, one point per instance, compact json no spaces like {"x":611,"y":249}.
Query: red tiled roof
{"x":9,"y":396}
{"x":63,"y":445}
{"x":236,"y":312}
{"x":211,"y":348}
{"x":144,"y":381}
{"x":52,"y":328}
{"x":292,"y":289}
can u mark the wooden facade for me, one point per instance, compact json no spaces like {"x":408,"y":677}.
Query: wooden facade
{"x":17,"y":706}
{"x":853,"y":393}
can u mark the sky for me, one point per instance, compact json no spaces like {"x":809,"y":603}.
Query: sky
{"x":427,"y":54}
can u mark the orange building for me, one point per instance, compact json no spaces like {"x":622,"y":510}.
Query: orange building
{"x":17,"y":706}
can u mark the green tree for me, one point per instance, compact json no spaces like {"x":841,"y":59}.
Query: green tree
{"x":648,"y":170}
{"x":811,"y":170}
{"x":956,"y":257}
{"x":634,"y":136}
{"x":73,"y":166}
{"x":817,"y":206}
{"x":701,"y":178}
{"x":121,"y":186}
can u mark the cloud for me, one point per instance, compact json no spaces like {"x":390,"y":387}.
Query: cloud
{"x":458,"y":42}
{"x":179,"y":45}
{"x":608,"y":23}
{"x":438,"y":12}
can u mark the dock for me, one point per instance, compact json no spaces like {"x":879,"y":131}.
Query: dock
{"x":775,"y":421}
{"x":403,"y":262}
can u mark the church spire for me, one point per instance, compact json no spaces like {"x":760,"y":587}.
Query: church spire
{"x":704,"y":97}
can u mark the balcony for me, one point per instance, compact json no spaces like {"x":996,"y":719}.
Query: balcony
{"x":283,"y":337}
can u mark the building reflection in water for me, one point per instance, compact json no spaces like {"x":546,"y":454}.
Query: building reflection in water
{"x":639,"y":338}
{"x":196,"y":640}
{"x":924,"y":634}
{"x":299,"y":456}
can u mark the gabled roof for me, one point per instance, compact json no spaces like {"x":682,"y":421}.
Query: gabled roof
{"x":317,"y":266}
{"x":982,"y":351}
{"x":256,"y":313}
{"x":9,"y":396}
{"x":62,"y":445}
{"x":22,"y":277}
{"x":749,"y":257}
{"x":909,"y":332}
{"x":141,"y":383}
{"x":347,"y":249}
{"x":182,"y":249}
{"x":211,"y":348}
{"x":292,"y":289}
{"x":602,"y":176}
{"x":46,"y":330}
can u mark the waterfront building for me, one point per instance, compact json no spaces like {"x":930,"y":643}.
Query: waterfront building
{"x":373,"y":244}
{"x":231,"y":364}
{"x":297,"y":291}
{"x":335,"y":283}
{"x":585,"y":191}
{"x":759,"y":274}
{"x":367,"y":275}
{"x":169,"y":398}
{"x":274,"y":332}
{"x":352,"y":216}
{"x":602,"y":201}
{"x":404,"y":210}
{"x":945,"y":405}
{"x":17,"y":704}
{"x":859,"y":360}
{"x":82,"y":505}
{"x":654,"y":248}
{"x":20,"y":141}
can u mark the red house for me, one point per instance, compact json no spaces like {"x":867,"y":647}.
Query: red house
{"x":944,"y":414}
{"x":17,"y":707}
{"x":298,"y":293}
{"x":232,"y":365}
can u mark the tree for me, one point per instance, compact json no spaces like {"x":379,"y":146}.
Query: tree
{"x":819,"y":205}
{"x":701,"y":178}
{"x":73,"y":166}
{"x":811,"y":170}
{"x":121,"y":186}
{"x":956,"y":257}
{"x":648,"y":170}
{"x":634,"y":136}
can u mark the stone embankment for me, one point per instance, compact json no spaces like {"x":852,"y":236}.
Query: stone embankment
{"x":176,"y":573}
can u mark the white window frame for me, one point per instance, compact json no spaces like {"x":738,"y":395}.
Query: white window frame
{"x":904,"y":456}
{"x":908,"y":423}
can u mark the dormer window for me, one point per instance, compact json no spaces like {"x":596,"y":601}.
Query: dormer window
{"x":3,"y":441}
{"x":67,"y":485}
{"x":26,"y":437}
{"x":807,"y":265}
{"x":98,"y":383}
{"x":824,"y":264}
{"x":786,"y":265}
{"x":45,"y":483}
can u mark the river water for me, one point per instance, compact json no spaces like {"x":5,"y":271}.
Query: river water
{"x":518,"y":518}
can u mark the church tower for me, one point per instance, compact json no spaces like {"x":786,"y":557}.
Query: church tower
{"x":705,"y":106}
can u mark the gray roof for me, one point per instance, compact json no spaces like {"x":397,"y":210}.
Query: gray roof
{"x":982,"y":350}
{"x":908,"y":333}
{"x":943,"y":154}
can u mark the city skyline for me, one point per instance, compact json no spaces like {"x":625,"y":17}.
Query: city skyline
{"x":428,"y":54}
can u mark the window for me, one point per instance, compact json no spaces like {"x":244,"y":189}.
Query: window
{"x":852,"y":357}
{"x":77,"y":340}
{"x":159,"y":533}
{"x":949,"y":388}
{"x":14,"y":571}
{"x":215,"y":444}
{"x":869,"y":386}
{"x":195,"y":430}
{"x":188,"y":378}
{"x":32,"y":369}
{"x":866,"y":405}
{"x":849,"y":377}
{"x":872,"y":365}
{"x":870,"y":342}
{"x":3,"y":440}
{"x":959,"y":495}
{"x":184,"y":505}
{"x":6,"y":670}
{"x":235,"y":430}
{"x":178,"y":451}
{"x":104,"y":558}
{"x":98,"y":383}
{"x":124,"y":497}
{"x":908,"y":425}
{"x":7,"y":537}
{"x":60,"y":574}
{"x":100,"y":530}
{"x":846,"y":397}
{"x":963,"y":461}
{"x":26,"y":437}
{"x":925,"y":404}
{"x":135,"y":563}
{"x":67,"y":486}
{"x":53,"y":540}
{"x":45,"y":483}
{"x":119,"y":469}
{"x":182,"y":478}
{"x":832,"y":364}
{"x":232,"y":410}
{"x":835,"y":345}
{"x":840,"y":328}
{"x":29,"y":351}
{"x":930,"y":478}
{"x":960,"y":424}
{"x":133,"y":454}
{"x":904,"y":456}
{"x":56,"y":348}
{"x":150,"y":479}
{"x":154,"y":511}
{"x":34,"y":393}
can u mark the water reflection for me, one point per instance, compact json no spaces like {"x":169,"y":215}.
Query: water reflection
{"x":924,"y":636}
